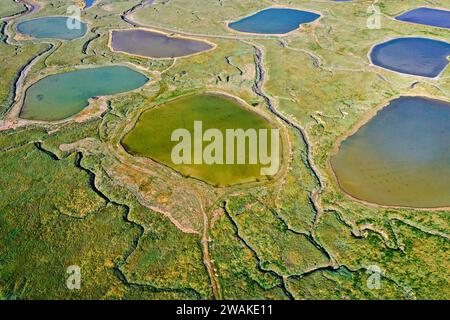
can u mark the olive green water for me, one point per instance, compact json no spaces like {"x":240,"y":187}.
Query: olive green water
{"x":401,"y":157}
{"x":63,"y":95}
{"x":151,"y":136}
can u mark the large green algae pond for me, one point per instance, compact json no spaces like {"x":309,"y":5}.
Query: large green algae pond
{"x":151,"y":136}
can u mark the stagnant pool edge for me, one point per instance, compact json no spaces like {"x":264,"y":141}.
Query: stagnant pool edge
{"x":355,"y":128}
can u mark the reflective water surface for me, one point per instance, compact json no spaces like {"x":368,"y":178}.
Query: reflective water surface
{"x":401,"y":157}
{"x":274,"y":21}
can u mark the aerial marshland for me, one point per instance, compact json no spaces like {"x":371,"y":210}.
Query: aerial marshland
{"x":142,"y":229}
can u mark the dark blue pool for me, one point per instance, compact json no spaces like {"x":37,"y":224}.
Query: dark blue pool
{"x":274,"y":21}
{"x":88,"y":3}
{"x":427,"y":16}
{"x":415,"y":56}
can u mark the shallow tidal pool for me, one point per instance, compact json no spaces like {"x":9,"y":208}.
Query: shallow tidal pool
{"x":52,"y":28}
{"x":414,"y":56}
{"x":60,"y":96}
{"x":157,"y":45}
{"x":274,"y":21}
{"x":401,"y":157}
{"x":427,"y":16}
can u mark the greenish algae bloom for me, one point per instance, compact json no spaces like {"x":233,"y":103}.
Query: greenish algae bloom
{"x":152,"y":135}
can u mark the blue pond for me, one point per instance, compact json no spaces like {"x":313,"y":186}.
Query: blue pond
{"x":274,"y":21}
{"x":415,"y":56}
{"x":427,"y":16}
{"x":88,"y":3}
{"x":52,"y":28}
